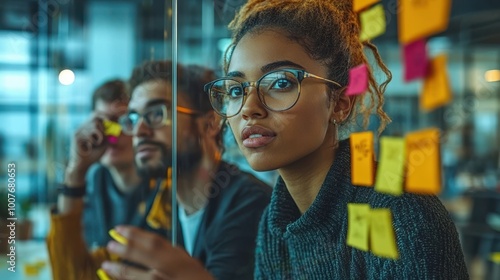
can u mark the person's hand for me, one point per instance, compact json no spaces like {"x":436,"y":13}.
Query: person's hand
{"x":161,"y":259}
{"x":88,"y":144}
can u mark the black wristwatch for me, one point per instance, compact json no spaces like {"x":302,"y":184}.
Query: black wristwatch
{"x":75,"y":192}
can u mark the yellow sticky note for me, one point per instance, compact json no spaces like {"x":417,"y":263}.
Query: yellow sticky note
{"x":358,"y":225}
{"x":372,"y":23}
{"x":420,"y":19}
{"x":118,"y":237}
{"x":436,"y":91}
{"x":102,"y":274}
{"x":112,"y":128}
{"x":382,"y":237}
{"x":362,"y":158}
{"x":391,"y":165}
{"x":160,"y":215}
{"x":423,"y":163}
{"x":358,"y":5}
{"x":495,"y":257}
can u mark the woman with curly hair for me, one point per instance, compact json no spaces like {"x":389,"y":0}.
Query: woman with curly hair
{"x":283,"y":96}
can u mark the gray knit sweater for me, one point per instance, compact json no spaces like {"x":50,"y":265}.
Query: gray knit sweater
{"x":313,"y":245}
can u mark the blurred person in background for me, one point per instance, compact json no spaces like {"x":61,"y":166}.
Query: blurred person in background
{"x":219,"y":205}
{"x":102,"y":187}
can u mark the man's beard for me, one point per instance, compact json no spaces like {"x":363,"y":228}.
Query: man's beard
{"x":186,"y":161}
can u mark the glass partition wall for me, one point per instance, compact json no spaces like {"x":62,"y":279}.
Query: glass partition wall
{"x":54,"y":53}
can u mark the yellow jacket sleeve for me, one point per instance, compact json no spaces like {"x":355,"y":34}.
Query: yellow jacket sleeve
{"x":68,"y":253}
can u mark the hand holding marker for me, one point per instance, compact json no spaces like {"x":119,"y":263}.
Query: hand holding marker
{"x":120,"y":239}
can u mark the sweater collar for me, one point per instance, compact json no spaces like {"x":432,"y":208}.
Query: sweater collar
{"x":327,"y":211}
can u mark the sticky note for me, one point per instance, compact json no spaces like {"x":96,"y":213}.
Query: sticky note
{"x":415,"y":60}
{"x":358,"y":5}
{"x":382,"y":237}
{"x":160,"y":215}
{"x":362,"y":158}
{"x":495,"y":257}
{"x":112,"y":130}
{"x":102,"y":274}
{"x":118,"y":237}
{"x":358,"y":218}
{"x":372,"y":23}
{"x":436,"y":91}
{"x":420,"y":19}
{"x":358,"y":80}
{"x":391,"y":165}
{"x":423,"y":163}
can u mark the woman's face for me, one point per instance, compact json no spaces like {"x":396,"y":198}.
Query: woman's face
{"x":273,"y":140}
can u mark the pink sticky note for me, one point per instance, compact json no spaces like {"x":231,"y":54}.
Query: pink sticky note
{"x":112,"y":139}
{"x":358,"y":80}
{"x":415,"y":60}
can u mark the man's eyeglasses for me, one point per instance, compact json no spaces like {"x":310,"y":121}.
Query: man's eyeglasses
{"x":154,"y":117}
{"x":278,"y":90}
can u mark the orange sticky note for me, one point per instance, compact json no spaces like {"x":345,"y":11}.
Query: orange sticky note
{"x":372,"y":23}
{"x":358,"y":5}
{"x":382,"y":237}
{"x":423,"y":163}
{"x":391,"y":164}
{"x":358,"y":215}
{"x":362,"y":158}
{"x":436,"y":90}
{"x":358,"y":80}
{"x":420,"y":19}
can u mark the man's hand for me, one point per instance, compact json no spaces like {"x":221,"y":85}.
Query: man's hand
{"x":87,"y":146}
{"x":162,"y":260}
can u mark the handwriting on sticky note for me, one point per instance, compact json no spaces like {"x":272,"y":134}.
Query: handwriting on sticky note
{"x":382,"y":237}
{"x":420,"y":19}
{"x":436,"y":91}
{"x":358,"y":225}
{"x":362,"y":158}
{"x":358,"y":5}
{"x":358,"y":80}
{"x":423,"y":172}
{"x":415,"y":60}
{"x":391,"y":164}
{"x":372,"y":23}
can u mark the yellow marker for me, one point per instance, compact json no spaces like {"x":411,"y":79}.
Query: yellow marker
{"x":372,"y":23}
{"x":358,"y":225}
{"x":362,"y":158}
{"x":102,"y":274}
{"x":118,"y":237}
{"x":382,"y":237}
{"x":420,"y":19}
{"x":436,"y":91}
{"x":358,"y":5}
{"x":391,"y":164}
{"x":423,"y":163}
{"x":112,"y":128}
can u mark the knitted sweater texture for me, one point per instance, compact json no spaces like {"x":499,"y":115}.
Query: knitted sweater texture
{"x":313,"y":245}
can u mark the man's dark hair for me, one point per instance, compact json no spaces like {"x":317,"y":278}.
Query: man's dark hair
{"x":111,"y":91}
{"x":190,"y":78}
